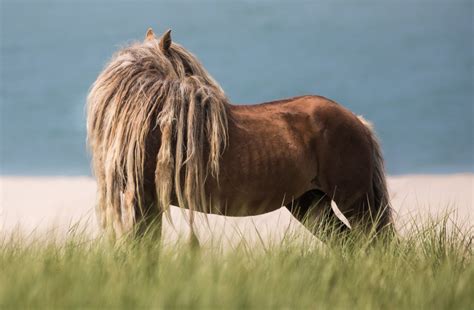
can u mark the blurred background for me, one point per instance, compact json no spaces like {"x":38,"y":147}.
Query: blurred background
{"x":405,"y":65}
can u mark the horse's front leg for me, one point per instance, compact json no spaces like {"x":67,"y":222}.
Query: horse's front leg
{"x":142,"y":216}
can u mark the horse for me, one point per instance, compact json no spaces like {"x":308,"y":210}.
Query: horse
{"x":161,"y":131}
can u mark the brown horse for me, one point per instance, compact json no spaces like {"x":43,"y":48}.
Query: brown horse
{"x":161,"y":131}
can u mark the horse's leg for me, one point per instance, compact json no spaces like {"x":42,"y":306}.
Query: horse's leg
{"x":193,"y":239}
{"x":358,"y":208}
{"x":142,"y":218}
{"x":313,"y":209}
{"x":351,"y":171}
{"x":346,"y":172}
{"x":363,"y":214}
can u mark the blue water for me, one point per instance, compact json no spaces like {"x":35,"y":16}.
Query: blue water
{"x":405,"y":65}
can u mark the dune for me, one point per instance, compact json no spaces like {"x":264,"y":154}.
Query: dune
{"x":45,"y":204}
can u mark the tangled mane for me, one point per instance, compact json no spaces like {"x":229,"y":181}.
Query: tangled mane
{"x":151,"y":85}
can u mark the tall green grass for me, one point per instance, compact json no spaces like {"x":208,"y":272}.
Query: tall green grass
{"x":429,"y":268}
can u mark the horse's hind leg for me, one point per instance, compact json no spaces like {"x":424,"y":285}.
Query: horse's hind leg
{"x":359,"y":209}
{"x":364,"y":214}
{"x":313,"y":209}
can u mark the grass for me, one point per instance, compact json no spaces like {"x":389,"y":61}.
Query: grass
{"x":429,"y":268}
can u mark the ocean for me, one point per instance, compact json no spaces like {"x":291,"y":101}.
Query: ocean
{"x":405,"y":65}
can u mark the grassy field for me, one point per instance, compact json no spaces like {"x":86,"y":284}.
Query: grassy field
{"x":429,"y":268}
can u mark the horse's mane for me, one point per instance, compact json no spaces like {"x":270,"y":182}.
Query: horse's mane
{"x":149,"y":85}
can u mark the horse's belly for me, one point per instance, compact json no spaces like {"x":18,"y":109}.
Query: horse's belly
{"x":257,"y":194}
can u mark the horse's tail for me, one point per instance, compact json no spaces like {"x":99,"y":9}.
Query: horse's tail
{"x":381,"y":202}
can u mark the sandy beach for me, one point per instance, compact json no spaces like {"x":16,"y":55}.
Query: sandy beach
{"x":44,"y":204}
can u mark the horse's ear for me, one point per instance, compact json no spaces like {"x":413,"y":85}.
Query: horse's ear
{"x":165,"y":41}
{"x":150,"y":35}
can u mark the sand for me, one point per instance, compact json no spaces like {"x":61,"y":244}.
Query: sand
{"x":53,"y":204}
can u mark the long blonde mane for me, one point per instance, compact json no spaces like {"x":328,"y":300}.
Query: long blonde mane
{"x":149,"y":85}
